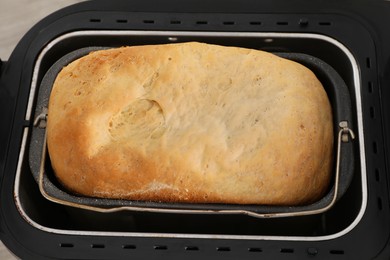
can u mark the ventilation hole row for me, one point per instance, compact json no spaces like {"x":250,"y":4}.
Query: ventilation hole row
{"x":374,"y":144}
{"x":310,"y":251}
{"x":302,"y":22}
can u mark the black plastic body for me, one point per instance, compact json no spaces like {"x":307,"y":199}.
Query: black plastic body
{"x":360,"y":25}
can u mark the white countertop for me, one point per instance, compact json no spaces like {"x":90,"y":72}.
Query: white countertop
{"x":16,"y":18}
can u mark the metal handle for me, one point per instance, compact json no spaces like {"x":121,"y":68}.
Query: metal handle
{"x":343,"y":137}
{"x":346,"y":132}
{"x":41,"y":120}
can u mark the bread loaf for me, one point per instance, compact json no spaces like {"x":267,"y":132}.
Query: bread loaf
{"x":191,"y":122}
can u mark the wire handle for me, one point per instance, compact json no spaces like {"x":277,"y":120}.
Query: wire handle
{"x":343,"y":137}
{"x":41,"y":120}
{"x":346,"y":132}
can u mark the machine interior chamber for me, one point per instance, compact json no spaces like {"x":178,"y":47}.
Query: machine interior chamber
{"x":52,"y":217}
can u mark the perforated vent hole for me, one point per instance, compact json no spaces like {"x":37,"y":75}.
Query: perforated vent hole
{"x":93,"y":20}
{"x":282,"y":23}
{"x":148,"y":21}
{"x":379,"y":201}
{"x":374,"y":147}
{"x":368,"y":62}
{"x":372,"y":112}
{"x":66,"y":245}
{"x":325,"y":23}
{"x":201,"y":22}
{"x":98,"y":246}
{"x":160,"y":247}
{"x":286,"y":250}
{"x":121,"y":21}
{"x":370,"y":87}
{"x":312,"y":251}
{"x":223,"y":249}
{"x":336,"y":252}
{"x":129,"y":247}
{"x":255,"y":249}
{"x":191,"y":248}
{"x":228,"y":23}
{"x":377,"y":175}
{"x":303,"y":22}
{"x":175,"y":22}
{"x":255,"y":23}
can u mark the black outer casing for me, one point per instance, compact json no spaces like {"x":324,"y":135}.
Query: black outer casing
{"x":360,"y":25}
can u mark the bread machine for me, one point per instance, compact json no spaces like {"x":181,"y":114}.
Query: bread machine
{"x":350,"y":36}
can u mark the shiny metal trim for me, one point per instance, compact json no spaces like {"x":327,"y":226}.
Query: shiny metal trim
{"x":176,"y":34}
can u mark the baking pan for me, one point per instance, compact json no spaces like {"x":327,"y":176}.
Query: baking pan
{"x":343,"y":154}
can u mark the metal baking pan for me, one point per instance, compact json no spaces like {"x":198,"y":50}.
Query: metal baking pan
{"x":343,"y":154}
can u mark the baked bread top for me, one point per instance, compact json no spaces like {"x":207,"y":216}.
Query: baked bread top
{"x":191,"y":122}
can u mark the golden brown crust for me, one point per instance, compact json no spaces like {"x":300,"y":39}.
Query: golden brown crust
{"x":191,"y":122}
